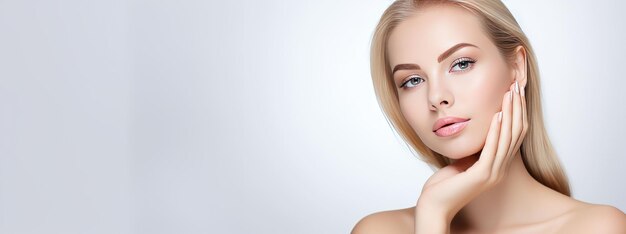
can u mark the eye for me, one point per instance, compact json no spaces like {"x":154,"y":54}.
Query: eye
{"x":412,"y":82}
{"x":462,"y":64}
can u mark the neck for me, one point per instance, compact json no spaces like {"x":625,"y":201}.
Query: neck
{"x":515,"y":200}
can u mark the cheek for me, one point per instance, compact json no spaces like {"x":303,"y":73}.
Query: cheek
{"x":482,"y":98}
{"x":487,"y":100}
{"x":486,"y":88}
{"x":414,"y":107}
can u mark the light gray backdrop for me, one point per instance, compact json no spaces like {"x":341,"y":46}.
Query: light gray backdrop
{"x":196,"y":116}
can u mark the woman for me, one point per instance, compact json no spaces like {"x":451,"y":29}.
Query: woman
{"x":459,"y":82}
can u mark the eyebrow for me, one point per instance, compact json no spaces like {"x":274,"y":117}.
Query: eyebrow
{"x":444,"y":55}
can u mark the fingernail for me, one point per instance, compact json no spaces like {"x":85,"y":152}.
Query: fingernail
{"x":516,"y":87}
{"x":511,"y":95}
{"x":499,"y":116}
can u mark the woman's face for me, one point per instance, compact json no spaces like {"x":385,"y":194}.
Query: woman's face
{"x":448,"y":67}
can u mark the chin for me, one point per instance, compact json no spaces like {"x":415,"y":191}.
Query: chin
{"x":459,"y":154}
{"x":460,"y":147}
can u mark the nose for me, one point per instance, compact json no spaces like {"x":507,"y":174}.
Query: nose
{"x":439,"y":96}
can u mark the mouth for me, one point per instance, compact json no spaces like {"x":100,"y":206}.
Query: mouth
{"x":449,"y":126}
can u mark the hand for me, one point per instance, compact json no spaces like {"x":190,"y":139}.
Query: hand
{"x":452,"y":187}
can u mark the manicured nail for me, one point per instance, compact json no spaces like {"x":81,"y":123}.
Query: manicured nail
{"x":516,"y":87}
{"x":499,"y":116}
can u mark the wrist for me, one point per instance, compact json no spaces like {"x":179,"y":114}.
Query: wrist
{"x":430,"y":209}
{"x":431,"y":220}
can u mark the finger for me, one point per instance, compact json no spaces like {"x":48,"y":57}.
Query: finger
{"x":516,"y":127}
{"x":487,"y":155}
{"x":505,"y":133}
{"x":524,"y":118}
{"x":524,"y":114}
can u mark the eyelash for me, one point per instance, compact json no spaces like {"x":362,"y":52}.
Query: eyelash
{"x":463,"y":60}
{"x":454,"y":64}
{"x":412,"y":77}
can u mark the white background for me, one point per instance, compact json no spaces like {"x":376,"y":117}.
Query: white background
{"x":199,"y":116}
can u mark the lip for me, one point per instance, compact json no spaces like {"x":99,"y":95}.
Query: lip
{"x":452,"y":125}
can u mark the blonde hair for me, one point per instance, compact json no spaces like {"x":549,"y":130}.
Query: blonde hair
{"x":501,"y":27}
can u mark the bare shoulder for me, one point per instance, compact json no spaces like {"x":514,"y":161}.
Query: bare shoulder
{"x":594,"y":218}
{"x":391,"y":221}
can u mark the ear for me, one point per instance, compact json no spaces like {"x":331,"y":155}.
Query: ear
{"x":519,"y":66}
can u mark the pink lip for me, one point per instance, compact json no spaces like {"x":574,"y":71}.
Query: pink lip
{"x":456,"y":124}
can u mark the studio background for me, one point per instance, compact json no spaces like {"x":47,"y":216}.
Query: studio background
{"x":253,"y":116}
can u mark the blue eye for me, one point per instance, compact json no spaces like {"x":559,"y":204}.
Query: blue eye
{"x":412,"y":81}
{"x":462,"y":64}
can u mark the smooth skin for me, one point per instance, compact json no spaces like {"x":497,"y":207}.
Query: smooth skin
{"x":487,"y":183}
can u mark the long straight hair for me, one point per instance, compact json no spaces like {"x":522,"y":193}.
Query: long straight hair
{"x":537,"y":152}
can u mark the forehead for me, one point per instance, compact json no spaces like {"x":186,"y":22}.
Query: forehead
{"x":422,"y":37}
